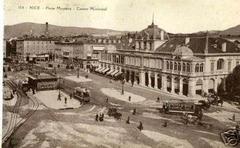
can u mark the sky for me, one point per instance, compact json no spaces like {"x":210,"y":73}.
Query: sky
{"x":175,"y":16}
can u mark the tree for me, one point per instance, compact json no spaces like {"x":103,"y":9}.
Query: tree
{"x":233,"y":82}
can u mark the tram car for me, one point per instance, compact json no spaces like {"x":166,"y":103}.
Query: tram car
{"x":82,"y":94}
{"x":181,"y":107}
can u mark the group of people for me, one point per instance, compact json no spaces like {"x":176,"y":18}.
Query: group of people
{"x":99,"y":117}
{"x":65,"y":98}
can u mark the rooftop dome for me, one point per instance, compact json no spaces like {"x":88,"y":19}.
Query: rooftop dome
{"x":152,"y":31}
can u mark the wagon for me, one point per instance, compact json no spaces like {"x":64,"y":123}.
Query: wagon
{"x":113,"y":112}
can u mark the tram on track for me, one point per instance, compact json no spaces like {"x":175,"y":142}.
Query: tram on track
{"x":82,"y":94}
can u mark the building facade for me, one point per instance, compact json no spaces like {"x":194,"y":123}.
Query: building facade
{"x":29,"y":49}
{"x":186,"y":66}
{"x":85,"y":53}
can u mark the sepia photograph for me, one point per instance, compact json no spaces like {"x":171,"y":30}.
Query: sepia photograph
{"x":121,"y":74}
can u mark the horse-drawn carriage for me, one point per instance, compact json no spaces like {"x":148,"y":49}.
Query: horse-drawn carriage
{"x":113,"y":112}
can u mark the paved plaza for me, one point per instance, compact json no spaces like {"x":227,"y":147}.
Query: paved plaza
{"x":77,"y":127}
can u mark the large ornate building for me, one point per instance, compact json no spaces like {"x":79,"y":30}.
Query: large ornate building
{"x":179,"y":65}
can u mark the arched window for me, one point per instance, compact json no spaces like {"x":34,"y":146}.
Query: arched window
{"x":179,"y":66}
{"x":167,"y":65}
{"x":188,"y":67}
{"x":171,"y":65}
{"x":175,"y":65}
{"x":220,"y":64}
{"x":145,"y":45}
{"x":184,"y":67}
{"x":197,"y":68}
{"x":201,"y":67}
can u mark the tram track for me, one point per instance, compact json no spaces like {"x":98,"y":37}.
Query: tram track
{"x":14,"y":124}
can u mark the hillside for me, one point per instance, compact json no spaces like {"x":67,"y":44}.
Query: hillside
{"x":231,"y":31}
{"x":38,"y":29}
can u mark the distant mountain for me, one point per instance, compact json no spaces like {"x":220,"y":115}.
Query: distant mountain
{"x":233,"y":31}
{"x":35,"y":29}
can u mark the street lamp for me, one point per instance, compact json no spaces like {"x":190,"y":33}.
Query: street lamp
{"x":123,"y":82}
{"x":59,"y":94}
{"x":78,"y":71}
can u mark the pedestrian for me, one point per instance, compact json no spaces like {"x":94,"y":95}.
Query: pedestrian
{"x":65,"y":99}
{"x":101,"y":117}
{"x":96,"y":117}
{"x":107,"y":100}
{"x":233,"y":117}
{"x":158,"y":99}
{"x":134,"y":111}
{"x":132,"y":83}
{"x":129,"y":98}
{"x":140,"y":127}
{"x":128,"y":120}
{"x":71,"y":96}
{"x":165,"y":124}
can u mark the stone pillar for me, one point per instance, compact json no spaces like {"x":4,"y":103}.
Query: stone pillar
{"x":191,"y":88}
{"x":142,"y":45}
{"x":129,"y":76}
{"x":224,"y":84}
{"x":133,"y":76}
{"x":149,"y":79}
{"x":137,"y":45}
{"x":215,"y":85}
{"x":172,"y":85}
{"x":180,"y":86}
{"x":148,"y":46}
{"x":205,"y":85}
{"x":164,"y":83}
{"x":142,"y":78}
{"x":156,"y":80}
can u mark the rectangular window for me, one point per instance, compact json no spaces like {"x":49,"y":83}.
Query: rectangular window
{"x":212,"y":66}
{"x":237,"y":63}
{"x":229,"y":65}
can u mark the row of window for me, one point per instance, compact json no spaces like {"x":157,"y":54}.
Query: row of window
{"x":220,"y":65}
{"x":152,"y":63}
{"x":39,"y":42}
{"x":185,"y":67}
{"x":144,"y":45}
{"x":133,"y":61}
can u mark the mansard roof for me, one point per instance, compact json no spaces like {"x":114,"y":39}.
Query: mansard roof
{"x":198,"y":45}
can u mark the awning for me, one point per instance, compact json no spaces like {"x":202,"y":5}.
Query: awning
{"x":105,"y":70}
{"x":98,"y":48}
{"x":101,"y":70}
{"x":117,"y":74}
{"x":98,"y":69}
{"x":110,"y":71}
{"x":113,"y":73}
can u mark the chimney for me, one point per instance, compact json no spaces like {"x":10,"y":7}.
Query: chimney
{"x":187,"y":39}
{"x":224,"y":47}
{"x":206,"y":44}
{"x":162,"y":35}
{"x":46,"y":30}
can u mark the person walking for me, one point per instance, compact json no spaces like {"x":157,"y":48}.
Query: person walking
{"x":128,"y":120}
{"x":129,"y":98}
{"x":134,"y":111}
{"x":233,"y":117}
{"x":107,"y":100}
{"x":140,"y":127}
{"x":158,"y":99}
{"x":96,"y":117}
{"x":65,"y":100}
